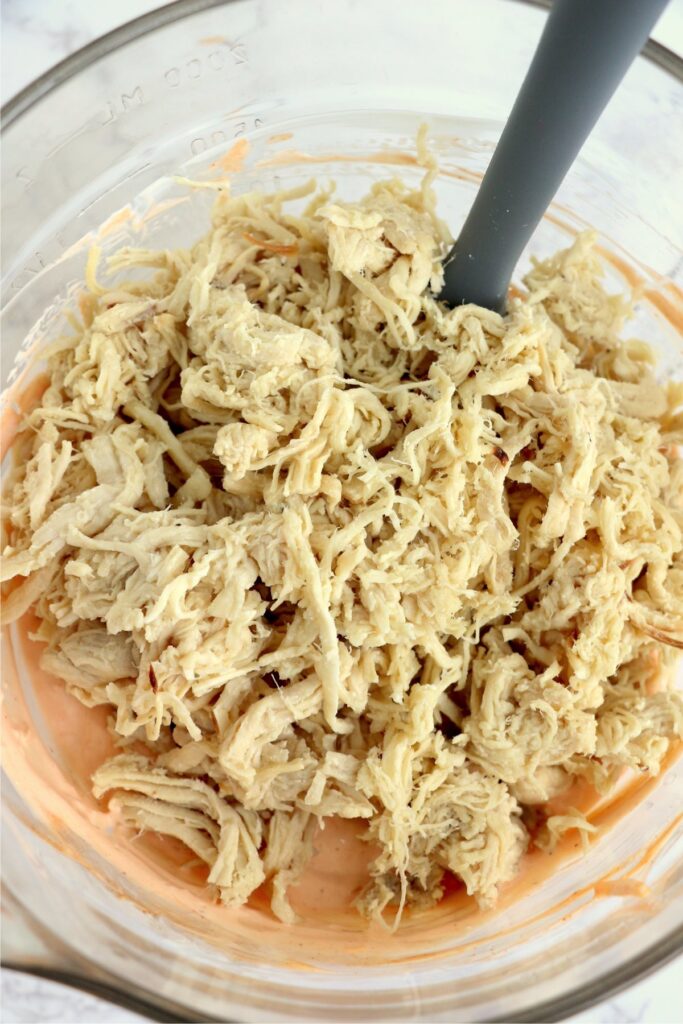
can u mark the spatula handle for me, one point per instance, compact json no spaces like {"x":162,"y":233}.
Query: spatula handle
{"x":584,"y":52}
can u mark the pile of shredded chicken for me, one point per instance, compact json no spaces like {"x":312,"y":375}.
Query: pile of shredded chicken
{"x":327,"y":548}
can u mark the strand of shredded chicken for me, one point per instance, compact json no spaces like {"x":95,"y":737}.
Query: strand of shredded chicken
{"x":327,"y":548}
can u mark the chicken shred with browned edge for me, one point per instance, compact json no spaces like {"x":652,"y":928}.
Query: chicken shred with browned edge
{"x":327,"y":548}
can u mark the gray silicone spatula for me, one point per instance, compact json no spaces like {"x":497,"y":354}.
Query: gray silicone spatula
{"x":584,"y":52}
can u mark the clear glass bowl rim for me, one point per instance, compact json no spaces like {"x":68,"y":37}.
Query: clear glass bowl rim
{"x":611,"y":982}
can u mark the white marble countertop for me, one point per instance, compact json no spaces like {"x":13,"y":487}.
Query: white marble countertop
{"x":35,"y":35}
{"x":39,"y":33}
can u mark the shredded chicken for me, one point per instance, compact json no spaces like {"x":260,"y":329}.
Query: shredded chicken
{"x":328,"y":548}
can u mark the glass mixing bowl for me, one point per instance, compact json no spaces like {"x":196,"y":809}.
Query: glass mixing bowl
{"x":340,"y":94}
